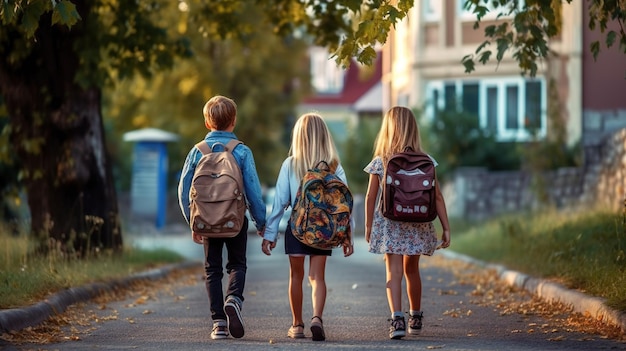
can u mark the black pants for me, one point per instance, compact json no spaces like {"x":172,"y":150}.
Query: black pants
{"x":236,"y":267}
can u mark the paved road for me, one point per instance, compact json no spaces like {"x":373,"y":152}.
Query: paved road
{"x":176,"y":316}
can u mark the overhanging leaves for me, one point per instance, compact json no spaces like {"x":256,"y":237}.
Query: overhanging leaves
{"x":65,"y":13}
{"x":535,"y":23}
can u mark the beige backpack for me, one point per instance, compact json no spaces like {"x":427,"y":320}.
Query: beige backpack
{"x":218,"y":204}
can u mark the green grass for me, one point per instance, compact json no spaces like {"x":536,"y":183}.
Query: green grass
{"x":26,"y":278}
{"x":585,"y":251}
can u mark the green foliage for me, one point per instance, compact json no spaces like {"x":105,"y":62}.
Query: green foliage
{"x":349,"y":28}
{"x":602,"y":14}
{"x":526,"y":35}
{"x":114,"y":39}
{"x":550,"y":153}
{"x":10,"y":201}
{"x":65,"y":13}
{"x":257,"y":69}
{"x":26,"y":14}
{"x":359,"y":147}
{"x":455,"y":139}
{"x":585,"y":250}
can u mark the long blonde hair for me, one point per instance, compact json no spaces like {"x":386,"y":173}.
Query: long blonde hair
{"x":398,"y":131}
{"x":311,"y":143}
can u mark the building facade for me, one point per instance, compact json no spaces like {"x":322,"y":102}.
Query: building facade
{"x":422,"y":68}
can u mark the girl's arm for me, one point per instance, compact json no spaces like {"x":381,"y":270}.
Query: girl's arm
{"x":282,"y":200}
{"x":370,"y":204}
{"x":442,"y":213}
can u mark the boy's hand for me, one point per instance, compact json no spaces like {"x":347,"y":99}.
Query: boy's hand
{"x":197,"y":238}
{"x":267,"y":246}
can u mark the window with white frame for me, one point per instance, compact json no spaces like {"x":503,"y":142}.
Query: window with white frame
{"x":466,"y":14}
{"x":326,"y":75}
{"x":513,"y":108}
{"x":432,"y":9}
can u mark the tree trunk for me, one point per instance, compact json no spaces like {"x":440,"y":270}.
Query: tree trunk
{"x":58,"y":135}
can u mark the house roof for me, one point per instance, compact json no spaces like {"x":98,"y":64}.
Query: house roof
{"x":372,"y":100}
{"x":358,"y":82}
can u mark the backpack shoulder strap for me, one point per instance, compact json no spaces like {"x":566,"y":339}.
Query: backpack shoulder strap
{"x":203,"y":147}
{"x":333,"y":166}
{"x":232,"y":144}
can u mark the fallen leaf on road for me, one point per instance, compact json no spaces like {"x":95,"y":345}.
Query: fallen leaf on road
{"x":448,"y":292}
{"x":62,"y":327}
{"x":142,"y":299}
{"x":491,"y":291}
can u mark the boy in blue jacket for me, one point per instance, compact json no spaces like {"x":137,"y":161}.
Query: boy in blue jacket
{"x":220,"y":117}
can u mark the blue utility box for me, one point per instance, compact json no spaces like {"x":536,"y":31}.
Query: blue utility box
{"x":148,"y":197}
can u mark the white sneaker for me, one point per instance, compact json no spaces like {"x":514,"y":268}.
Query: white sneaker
{"x":220,"y":330}
{"x":232,"y":308}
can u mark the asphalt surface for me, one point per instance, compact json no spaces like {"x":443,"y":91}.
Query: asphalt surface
{"x":176,"y":317}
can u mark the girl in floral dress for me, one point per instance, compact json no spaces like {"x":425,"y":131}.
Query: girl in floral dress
{"x":402,"y":243}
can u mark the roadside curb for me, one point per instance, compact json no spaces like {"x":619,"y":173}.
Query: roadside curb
{"x":17,"y":319}
{"x":551,"y":291}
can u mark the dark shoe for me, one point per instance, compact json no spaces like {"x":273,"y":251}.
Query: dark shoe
{"x":220,"y":330}
{"x":296,"y":331}
{"x":232,"y":308}
{"x":415,"y":323}
{"x":317,"y":328}
{"x":398,"y":328}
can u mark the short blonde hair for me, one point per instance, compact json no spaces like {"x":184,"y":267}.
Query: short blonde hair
{"x":398,"y":131}
{"x":219,"y":112}
{"x":311,"y":143}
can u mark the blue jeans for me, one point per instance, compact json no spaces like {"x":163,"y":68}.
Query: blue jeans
{"x":236,"y":267}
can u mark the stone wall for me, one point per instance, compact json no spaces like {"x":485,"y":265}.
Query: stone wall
{"x":476,"y":193}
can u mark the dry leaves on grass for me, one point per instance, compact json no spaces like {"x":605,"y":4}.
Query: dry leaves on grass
{"x":490,"y":291}
{"x":77,"y":321}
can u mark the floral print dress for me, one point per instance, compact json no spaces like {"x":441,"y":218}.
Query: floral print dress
{"x":393,"y":237}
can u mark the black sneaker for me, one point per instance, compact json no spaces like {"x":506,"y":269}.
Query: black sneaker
{"x":398,"y":328}
{"x":232,"y":308}
{"x":415,"y":323}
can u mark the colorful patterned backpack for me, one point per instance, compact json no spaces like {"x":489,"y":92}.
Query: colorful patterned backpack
{"x":322,"y":210}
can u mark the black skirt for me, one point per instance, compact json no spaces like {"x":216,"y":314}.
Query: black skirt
{"x":293,"y":246}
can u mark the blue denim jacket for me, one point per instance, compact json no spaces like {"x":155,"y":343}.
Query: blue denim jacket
{"x":245,"y":159}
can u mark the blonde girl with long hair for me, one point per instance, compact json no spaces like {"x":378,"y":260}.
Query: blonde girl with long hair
{"x":311,"y":143}
{"x":402,"y":243}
